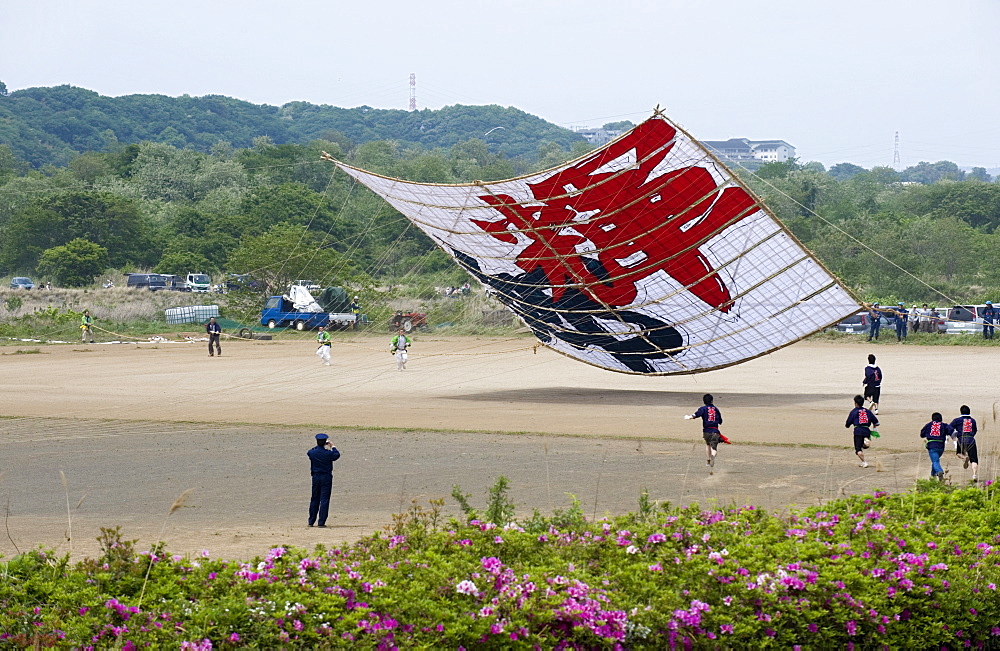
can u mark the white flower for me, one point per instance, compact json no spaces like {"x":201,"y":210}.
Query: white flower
{"x":467,"y":587}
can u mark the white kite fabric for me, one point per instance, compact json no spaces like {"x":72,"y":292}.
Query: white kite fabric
{"x":645,"y":256}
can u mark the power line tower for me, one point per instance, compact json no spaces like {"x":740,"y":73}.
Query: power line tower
{"x":413,"y":92}
{"x":895,"y":154}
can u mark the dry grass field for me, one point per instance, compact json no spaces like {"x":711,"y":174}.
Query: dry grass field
{"x":132,"y":426}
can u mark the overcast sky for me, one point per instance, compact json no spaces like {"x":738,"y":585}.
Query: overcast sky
{"x":836,"y":80}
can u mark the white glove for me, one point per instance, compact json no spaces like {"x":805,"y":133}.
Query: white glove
{"x":688,"y":416}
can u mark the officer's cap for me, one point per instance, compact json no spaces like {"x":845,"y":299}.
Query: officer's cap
{"x":321,"y":437}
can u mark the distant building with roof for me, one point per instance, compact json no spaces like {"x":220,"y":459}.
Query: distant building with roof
{"x":750,"y":153}
{"x":744,"y":152}
{"x":599,"y":136}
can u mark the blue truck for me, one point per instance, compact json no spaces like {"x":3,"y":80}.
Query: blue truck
{"x":298,"y":309}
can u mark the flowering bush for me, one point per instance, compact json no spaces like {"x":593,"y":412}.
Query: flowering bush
{"x":916,"y":570}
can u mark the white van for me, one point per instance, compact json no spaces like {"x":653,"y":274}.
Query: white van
{"x":965,"y":319}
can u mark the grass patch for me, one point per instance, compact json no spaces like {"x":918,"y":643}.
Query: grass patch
{"x":22,"y":351}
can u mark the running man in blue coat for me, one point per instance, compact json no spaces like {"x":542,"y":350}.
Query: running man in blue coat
{"x":863,"y":420}
{"x":711,"y":418}
{"x":936,"y":432}
{"x":964,"y":428}
{"x":873,"y":383}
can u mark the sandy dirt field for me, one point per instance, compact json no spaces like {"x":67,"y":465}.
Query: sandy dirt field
{"x":133,"y":426}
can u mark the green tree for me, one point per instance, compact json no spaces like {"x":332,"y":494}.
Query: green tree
{"x":777,"y":169}
{"x":551,"y":154}
{"x":74,"y":264}
{"x":111,"y":221}
{"x":844,"y":171}
{"x":182,"y":263}
{"x":929,"y":173}
{"x":979,"y":174}
{"x":89,"y":167}
{"x":292,"y":203}
{"x":974,"y":202}
{"x":9,"y":165}
{"x":287,"y":252}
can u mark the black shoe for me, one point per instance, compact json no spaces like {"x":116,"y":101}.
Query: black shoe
{"x":321,"y":526}
{"x":311,"y":524}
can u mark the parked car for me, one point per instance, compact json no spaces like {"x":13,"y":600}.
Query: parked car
{"x":965,"y":319}
{"x":152,"y":282}
{"x":854,"y":324}
{"x":174,"y":284}
{"x":240,"y":282}
{"x":20,"y":282}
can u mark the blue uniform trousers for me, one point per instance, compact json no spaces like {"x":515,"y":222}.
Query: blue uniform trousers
{"x":873,"y":330}
{"x":319,"y":505}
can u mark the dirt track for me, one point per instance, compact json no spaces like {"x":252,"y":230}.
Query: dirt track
{"x":133,"y":426}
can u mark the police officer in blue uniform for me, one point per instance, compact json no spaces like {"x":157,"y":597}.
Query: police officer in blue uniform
{"x":321,"y":460}
{"x":989,"y":317}
{"x":901,"y":315}
{"x":874,"y":322}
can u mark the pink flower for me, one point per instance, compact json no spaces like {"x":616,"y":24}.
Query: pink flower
{"x":852,"y":627}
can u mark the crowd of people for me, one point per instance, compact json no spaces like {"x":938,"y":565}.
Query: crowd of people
{"x":921,"y":319}
{"x":863,"y":418}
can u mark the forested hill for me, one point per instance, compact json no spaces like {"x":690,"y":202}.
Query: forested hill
{"x":52,"y":125}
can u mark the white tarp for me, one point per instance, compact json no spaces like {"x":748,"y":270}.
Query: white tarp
{"x":302,"y":299}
